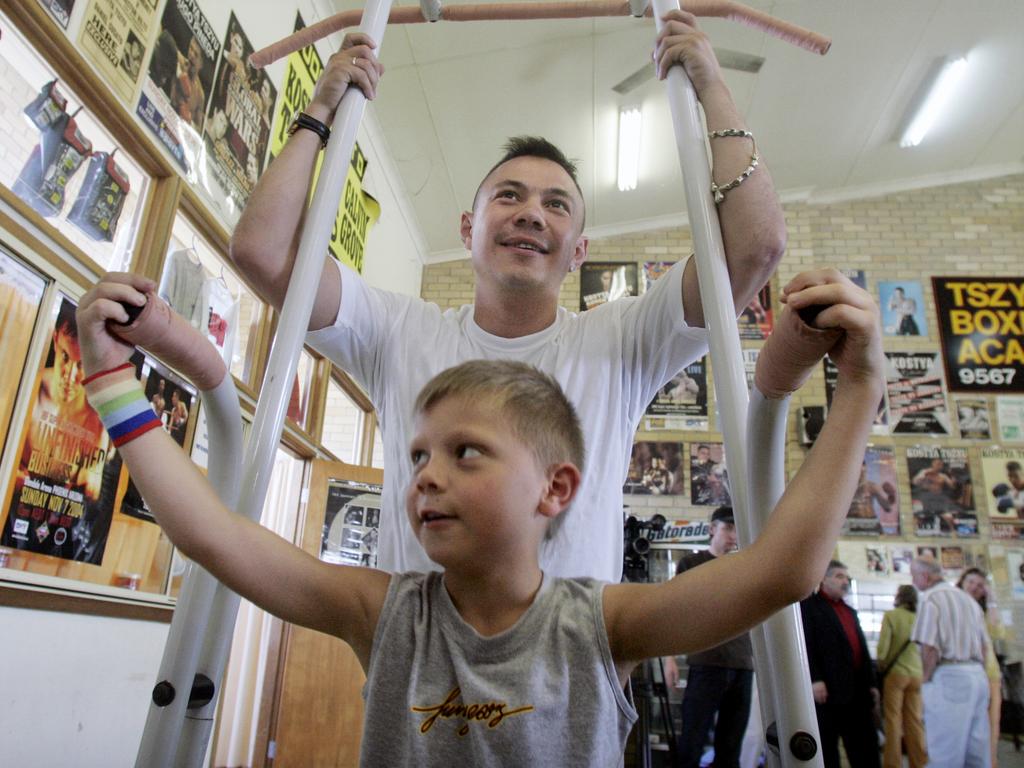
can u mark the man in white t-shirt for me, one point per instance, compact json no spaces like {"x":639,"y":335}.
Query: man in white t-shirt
{"x":524,"y":233}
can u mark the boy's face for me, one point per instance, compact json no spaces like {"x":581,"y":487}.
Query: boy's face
{"x":476,"y":488}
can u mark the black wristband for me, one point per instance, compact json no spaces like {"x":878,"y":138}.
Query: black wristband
{"x":302,"y":120}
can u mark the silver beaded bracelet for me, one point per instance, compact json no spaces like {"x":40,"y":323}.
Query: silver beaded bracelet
{"x":719,"y":191}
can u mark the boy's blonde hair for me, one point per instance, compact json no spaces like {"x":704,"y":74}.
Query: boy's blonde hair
{"x":537,"y":409}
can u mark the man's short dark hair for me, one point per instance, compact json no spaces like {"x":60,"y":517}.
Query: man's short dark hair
{"x":834,"y":565}
{"x":534,"y":146}
{"x":1013,"y":466}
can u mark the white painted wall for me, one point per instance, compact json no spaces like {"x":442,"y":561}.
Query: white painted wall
{"x":75,"y":689}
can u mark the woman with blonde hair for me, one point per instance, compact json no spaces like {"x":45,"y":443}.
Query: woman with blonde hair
{"x":899,"y":667}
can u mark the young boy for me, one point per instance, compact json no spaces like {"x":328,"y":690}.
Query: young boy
{"x":492,"y":663}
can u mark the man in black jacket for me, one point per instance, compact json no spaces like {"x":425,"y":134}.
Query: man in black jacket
{"x":842,"y":677}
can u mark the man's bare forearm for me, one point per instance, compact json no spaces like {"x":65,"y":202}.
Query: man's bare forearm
{"x":753,"y":226}
{"x":929,"y":661}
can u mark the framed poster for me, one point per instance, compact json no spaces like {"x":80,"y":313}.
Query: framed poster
{"x":655,"y":469}
{"x":682,"y":404}
{"x":875,"y":509}
{"x":916,"y":393}
{"x":709,"y":478}
{"x":601,"y":282}
{"x":755,"y":321}
{"x":1004,"y":482}
{"x":972,"y":419}
{"x":351,"y":523}
{"x":941,"y":491}
{"x":176,"y":88}
{"x":902,"y":305}
{"x":237,"y":128}
{"x":982,"y":332}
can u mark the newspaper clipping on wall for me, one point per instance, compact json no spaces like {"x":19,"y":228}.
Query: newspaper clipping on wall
{"x":972,"y":418}
{"x":113,"y":38}
{"x":941,"y":491}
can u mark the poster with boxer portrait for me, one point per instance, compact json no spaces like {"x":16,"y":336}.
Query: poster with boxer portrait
{"x":875,"y":509}
{"x":941,"y":491}
{"x":1003,"y":470}
{"x":682,"y":404}
{"x":237,"y":128}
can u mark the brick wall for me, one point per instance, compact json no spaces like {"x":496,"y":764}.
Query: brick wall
{"x":970,"y":229}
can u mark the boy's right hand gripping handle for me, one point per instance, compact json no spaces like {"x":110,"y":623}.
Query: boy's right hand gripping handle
{"x":791,"y":352}
{"x":160,"y":330}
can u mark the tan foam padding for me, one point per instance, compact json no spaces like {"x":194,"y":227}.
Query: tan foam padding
{"x":167,"y":335}
{"x":790,"y":354}
{"x":723,"y":9}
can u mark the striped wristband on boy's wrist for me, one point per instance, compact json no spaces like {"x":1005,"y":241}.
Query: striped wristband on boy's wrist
{"x":117,"y":397}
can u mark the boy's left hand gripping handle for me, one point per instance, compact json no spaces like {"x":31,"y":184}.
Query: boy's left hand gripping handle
{"x":160,"y":330}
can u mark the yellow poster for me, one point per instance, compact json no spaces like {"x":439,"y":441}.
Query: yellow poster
{"x":113,"y":37}
{"x":358,"y":210}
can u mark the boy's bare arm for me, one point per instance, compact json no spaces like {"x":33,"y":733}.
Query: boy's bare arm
{"x":251,"y":560}
{"x":722,"y":598}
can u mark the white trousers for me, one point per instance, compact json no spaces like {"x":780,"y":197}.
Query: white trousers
{"x":956,"y":717}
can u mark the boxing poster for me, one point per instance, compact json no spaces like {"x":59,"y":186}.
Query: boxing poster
{"x":881,"y":423}
{"x":174,"y":402}
{"x":177,"y":86}
{"x":682,"y":404}
{"x":351,"y":524}
{"x":941,"y":491}
{"x":601,"y":282}
{"x":902,"y":557}
{"x":1015,"y":565}
{"x":61,"y":496}
{"x":875,"y":508}
{"x":981,"y":324}
{"x":972,"y":419}
{"x":709,"y":479}
{"x":358,"y":211}
{"x":21,"y":290}
{"x":902,"y":305}
{"x":951,"y":558}
{"x":916,"y":393}
{"x":755,"y":321}
{"x":237,"y":129}
{"x":856,"y":276}
{"x":869,"y":561}
{"x":1003,"y":471}
{"x":113,"y":38}
{"x":655,"y":469}
{"x":653,"y":270}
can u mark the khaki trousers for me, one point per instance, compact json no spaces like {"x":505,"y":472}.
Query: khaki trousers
{"x":901,"y":700}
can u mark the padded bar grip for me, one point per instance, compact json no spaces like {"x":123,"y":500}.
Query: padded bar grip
{"x":790,"y":354}
{"x":160,"y":330}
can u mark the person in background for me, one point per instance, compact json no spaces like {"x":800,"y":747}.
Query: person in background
{"x":720,"y":679}
{"x":899,"y":666}
{"x":974,"y":582}
{"x":842,"y":676}
{"x":950,"y":629}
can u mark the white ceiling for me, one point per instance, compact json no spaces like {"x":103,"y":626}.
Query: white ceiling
{"x":453,"y":92}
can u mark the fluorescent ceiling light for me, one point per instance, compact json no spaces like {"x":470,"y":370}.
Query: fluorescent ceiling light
{"x":629,"y":148}
{"x":943,"y":83}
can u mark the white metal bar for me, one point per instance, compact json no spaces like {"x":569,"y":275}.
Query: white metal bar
{"x":729,"y":375}
{"x":183,"y":651}
{"x":786,"y":692}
